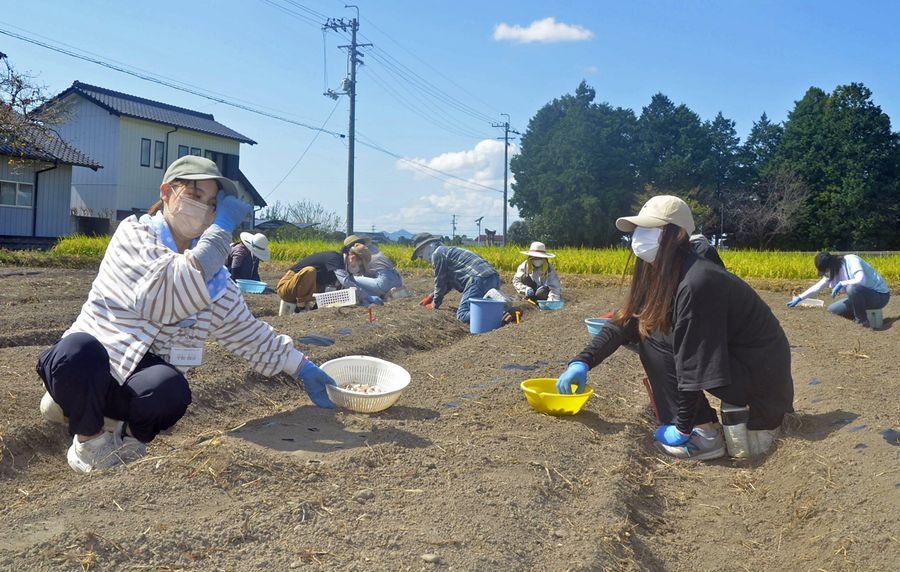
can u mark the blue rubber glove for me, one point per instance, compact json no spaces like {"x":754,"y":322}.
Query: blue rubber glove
{"x":314,"y":382}
{"x":230,"y":211}
{"x":576,"y":373}
{"x":529,"y":292}
{"x":794,"y":301}
{"x":671,"y":436}
{"x":372,"y":300}
{"x":837,"y":288}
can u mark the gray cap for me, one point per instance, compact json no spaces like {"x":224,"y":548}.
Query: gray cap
{"x":421,"y":240}
{"x":194,"y":168}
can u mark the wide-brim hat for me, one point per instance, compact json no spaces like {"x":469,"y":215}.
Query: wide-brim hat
{"x":194,"y":168}
{"x":353,"y":239}
{"x":258,"y":244}
{"x":660,"y":211}
{"x":538,"y":250}
{"x":421,"y":240}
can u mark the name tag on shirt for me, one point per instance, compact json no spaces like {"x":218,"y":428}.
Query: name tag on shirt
{"x":186,"y":356}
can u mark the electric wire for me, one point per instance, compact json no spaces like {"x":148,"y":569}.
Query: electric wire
{"x":153,"y":78}
{"x":302,"y":155}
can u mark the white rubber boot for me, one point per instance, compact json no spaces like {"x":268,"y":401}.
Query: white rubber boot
{"x":286,"y":308}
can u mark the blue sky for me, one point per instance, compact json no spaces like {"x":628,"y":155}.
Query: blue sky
{"x":740,"y":58}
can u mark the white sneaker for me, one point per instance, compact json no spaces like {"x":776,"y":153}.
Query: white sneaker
{"x":103,"y":452}
{"x":702,"y":446}
{"x":52,"y":412}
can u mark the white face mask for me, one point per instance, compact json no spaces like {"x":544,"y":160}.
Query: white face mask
{"x":645,"y":243}
{"x":537,"y":262}
{"x":186,"y":217}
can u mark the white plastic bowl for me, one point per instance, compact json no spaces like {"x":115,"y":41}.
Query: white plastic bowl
{"x":389,"y":377}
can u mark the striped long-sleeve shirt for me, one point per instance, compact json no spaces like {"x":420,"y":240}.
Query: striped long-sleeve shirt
{"x":147,"y":297}
{"x":453,"y":269}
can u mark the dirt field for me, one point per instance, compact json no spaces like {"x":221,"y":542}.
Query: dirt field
{"x":461,"y":473}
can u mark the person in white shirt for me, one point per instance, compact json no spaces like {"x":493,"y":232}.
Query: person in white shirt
{"x":379,"y":277}
{"x":117,"y":375}
{"x":536,"y":278}
{"x":865,"y":288}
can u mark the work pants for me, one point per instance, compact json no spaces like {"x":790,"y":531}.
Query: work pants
{"x":298,"y":287}
{"x":75,"y":371}
{"x":858,"y":300}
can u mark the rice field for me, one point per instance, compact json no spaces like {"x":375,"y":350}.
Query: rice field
{"x":604,"y":261}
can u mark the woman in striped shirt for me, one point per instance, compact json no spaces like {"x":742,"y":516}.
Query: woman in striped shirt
{"x":118,"y":373}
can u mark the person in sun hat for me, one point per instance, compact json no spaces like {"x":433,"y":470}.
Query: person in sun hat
{"x":865,"y":288}
{"x":536,"y":278}
{"x":320,"y":271}
{"x":698,"y":328}
{"x":243,"y":259}
{"x":454,"y":269}
{"x":381,"y":277}
{"x":118,"y":375}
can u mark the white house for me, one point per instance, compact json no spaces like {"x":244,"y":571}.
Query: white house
{"x":135,"y":139}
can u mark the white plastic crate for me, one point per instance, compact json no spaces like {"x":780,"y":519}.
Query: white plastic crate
{"x":344,"y":297}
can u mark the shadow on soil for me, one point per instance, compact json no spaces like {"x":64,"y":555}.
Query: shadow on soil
{"x":593,"y":421}
{"x":308,"y":431}
{"x":817,"y":426}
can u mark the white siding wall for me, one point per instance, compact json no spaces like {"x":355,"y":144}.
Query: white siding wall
{"x":54,"y":217}
{"x":139,"y":186}
{"x":53,"y":214}
{"x":94,"y":131}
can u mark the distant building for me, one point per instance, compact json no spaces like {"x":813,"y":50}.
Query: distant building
{"x":274,"y":224}
{"x":376,"y":237}
{"x":35,"y":188}
{"x":136,"y":139}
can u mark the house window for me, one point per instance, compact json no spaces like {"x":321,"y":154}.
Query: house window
{"x":183,"y":150}
{"x":195,"y":151}
{"x":159,"y":155}
{"x":14,"y":194}
{"x":145,"y":152}
{"x":216,"y":157}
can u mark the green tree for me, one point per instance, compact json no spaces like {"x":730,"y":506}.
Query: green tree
{"x":730,"y":171}
{"x":675,"y":151}
{"x":575,"y":171}
{"x":842,"y":146}
{"x":761,"y":144}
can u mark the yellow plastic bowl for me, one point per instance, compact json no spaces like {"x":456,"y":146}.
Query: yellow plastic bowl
{"x":542,"y":395}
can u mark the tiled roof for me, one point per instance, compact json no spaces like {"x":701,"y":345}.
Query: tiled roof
{"x":258,"y":201}
{"x":43,"y":145}
{"x":140,"y":108}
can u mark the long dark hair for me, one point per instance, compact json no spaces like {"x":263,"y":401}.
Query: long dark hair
{"x":828,"y":264}
{"x":653,"y":286}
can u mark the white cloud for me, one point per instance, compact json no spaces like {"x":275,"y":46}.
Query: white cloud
{"x":591,"y":70}
{"x":546,"y":31}
{"x":479,"y":167}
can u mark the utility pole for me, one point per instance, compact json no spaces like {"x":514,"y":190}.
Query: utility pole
{"x":453,"y":235}
{"x":478,"y":222}
{"x":506,"y":132}
{"x":348,"y":87}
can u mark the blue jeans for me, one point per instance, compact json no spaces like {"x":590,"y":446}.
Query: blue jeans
{"x":381,"y":284}
{"x":75,"y":371}
{"x":476,"y":288}
{"x":858,"y":300}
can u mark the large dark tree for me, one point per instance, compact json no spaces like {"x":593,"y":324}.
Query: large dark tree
{"x":842,"y":145}
{"x":575,"y":171}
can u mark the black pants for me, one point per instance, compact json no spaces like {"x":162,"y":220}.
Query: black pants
{"x":658,"y":359}
{"x":76,"y":372}
{"x":540,"y":293}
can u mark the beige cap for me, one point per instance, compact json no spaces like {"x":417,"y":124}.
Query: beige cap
{"x":538,"y":250}
{"x":193,"y":168}
{"x":660,"y":211}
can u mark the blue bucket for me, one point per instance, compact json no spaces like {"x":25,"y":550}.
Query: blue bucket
{"x":485,"y":314}
{"x":594,"y":325}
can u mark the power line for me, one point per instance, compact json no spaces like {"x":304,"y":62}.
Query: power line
{"x":427,"y":169}
{"x":297,"y":15}
{"x":302,"y":155}
{"x":186,"y":88}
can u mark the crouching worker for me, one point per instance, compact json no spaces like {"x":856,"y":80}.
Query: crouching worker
{"x":318,"y":272}
{"x":378,"y":277}
{"x":117,"y":376}
{"x":454,"y":269}
{"x":866,"y":289}
{"x":536,"y":278}
{"x":243,"y":259}
{"x":698,"y":328}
